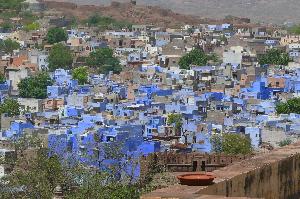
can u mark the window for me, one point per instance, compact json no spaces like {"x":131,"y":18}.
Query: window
{"x":110,"y":139}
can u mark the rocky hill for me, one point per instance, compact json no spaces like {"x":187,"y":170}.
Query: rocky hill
{"x":271,"y":11}
{"x":128,"y":12}
{"x":137,"y":14}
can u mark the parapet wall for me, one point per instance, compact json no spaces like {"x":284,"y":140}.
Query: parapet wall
{"x":271,"y":176}
{"x":174,"y":162}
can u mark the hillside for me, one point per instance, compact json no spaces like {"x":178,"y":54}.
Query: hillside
{"x":272,"y":11}
{"x":125,"y":11}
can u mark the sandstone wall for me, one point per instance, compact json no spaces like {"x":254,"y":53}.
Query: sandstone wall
{"x":272,"y":175}
{"x":173,"y":161}
{"x":274,"y":180}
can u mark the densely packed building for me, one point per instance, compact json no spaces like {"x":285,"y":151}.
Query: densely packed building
{"x":131,"y":110}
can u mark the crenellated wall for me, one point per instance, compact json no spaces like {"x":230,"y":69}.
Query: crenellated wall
{"x":183,"y":162}
{"x":273,"y":175}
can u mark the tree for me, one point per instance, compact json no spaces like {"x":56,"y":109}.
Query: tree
{"x":74,"y":22}
{"x":39,"y":176}
{"x":80,"y":74}
{"x":32,"y":26}
{"x":216,"y":143}
{"x":35,"y":87}
{"x":274,"y":56}
{"x":11,"y":4}
{"x":103,"y":60}
{"x":104,"y":22}
{"x":294,"y":30}
{"x":291,"y":106}
{"x":11,"y":107}
{"x":285,"y":142}
{"x":213,"y":57}
{"x":6,"y":26}
{"x":2,"y":78}
{"x":56,"y":35}
{"x":224,"y":39}
{"x":195,"y":57}
{"x":60,"y":57}
{"x":175,"y":119}
{"x":232,"y":144}
{"x":236,"y":144}
{"x":8,"y":46}
{"x":37,"y":179}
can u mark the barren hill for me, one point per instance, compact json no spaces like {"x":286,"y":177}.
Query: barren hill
{"x":274,"y":11}
{"x":139,"y":14}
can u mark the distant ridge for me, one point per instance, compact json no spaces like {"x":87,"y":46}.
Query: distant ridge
{"x":270,"y":11}
{"x":136,"y":14}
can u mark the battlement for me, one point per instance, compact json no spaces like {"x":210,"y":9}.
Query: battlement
{"x":270,"y":175}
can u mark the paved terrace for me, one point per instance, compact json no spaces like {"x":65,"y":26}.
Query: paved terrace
{"x":272,"y":175}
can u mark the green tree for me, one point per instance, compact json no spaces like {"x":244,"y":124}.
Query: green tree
{"x":104,"y":22}
{"x":285,"y":142}
{"x":60,"y":57}
{"x":35,"y":86}
{"x":195,"y":57}
{"x":224,"y":39}
{"x":8,"y":46}
{"x":282,"y":108}
{"x":28,"y":17}
{"x":2,"y":78}
{"x":74,"y":22}
{"x":40,"y":175}
{"x":93,"y":20}
{"x":39,"y":178}
{"x":93,"y":186}
{"x":6,"y":26}
{"x":10,"y":106}
{"x":294,"y":30}
{"x":236,"y":144}
{"x":213,"y":57}
{"x":80,"y":74}
{"x":216,"y":143}
{"x":232,"y":144}
{"x":175,"y":119}
{"x":56,"y":35}
{"x":32,"y":26}
{"x":103,"y":60}
{"x":274,"y":56}
{"x":11,"y":4}
{"x":291,"y":106}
